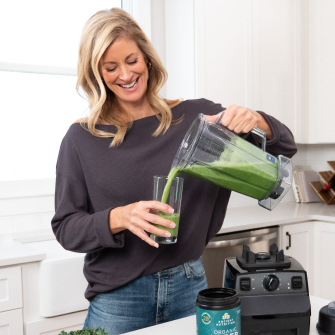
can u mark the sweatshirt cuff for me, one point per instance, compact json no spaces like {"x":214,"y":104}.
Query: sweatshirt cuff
{"x":274,"y":129}
{"x":103,"y":232}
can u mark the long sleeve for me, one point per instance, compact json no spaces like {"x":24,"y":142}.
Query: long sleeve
{"x":75,"y":227}
{"x":282,"y":142}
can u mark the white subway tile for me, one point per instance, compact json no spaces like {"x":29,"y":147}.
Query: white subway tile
{"x":6,"y":224}
{"x":26,"y":223}
{"x":46,"y":220}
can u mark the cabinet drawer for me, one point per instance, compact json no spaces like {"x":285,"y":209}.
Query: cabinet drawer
{"x":11,"y":322}
{"x":10,"y":288}
{"x":54,"y":325}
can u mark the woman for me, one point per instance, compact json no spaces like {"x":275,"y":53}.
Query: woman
{"x":104,"y":187}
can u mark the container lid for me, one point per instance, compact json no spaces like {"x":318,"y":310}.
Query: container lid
{"x":218,"y":296}
{"x":326,"y":323}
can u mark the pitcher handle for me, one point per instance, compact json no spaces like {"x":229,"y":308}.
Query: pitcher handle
{"x":256,"y":131}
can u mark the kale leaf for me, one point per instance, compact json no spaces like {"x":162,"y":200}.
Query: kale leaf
{"x":86,"y":331}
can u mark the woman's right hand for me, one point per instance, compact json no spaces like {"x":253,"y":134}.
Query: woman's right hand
{"x":136,"y":217}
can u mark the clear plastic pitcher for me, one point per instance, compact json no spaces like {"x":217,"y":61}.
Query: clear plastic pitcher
{"x":213,"y":153}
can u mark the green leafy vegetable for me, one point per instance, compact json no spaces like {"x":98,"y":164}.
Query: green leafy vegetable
{"x":86,"y":331}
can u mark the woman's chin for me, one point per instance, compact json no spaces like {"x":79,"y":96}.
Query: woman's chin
{"x":132,"y":97}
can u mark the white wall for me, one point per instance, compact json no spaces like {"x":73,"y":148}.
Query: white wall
{"x":26,"y":206}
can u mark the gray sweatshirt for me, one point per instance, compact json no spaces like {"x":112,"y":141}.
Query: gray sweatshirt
{"x":92,"y":179}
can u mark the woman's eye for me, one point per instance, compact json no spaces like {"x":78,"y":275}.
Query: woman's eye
{"x":134,"y":62}
{"x":111,"y":70}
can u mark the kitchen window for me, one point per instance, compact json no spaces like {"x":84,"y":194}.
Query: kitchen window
{"x":38,"y":59}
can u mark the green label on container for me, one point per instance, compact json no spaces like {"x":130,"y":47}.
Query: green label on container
{"x":227,"y":322}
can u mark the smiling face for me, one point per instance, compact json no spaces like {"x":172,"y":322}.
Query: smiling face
{"x":124,"y":70}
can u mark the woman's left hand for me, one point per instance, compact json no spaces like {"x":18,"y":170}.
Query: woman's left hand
{"x":242,"y":120}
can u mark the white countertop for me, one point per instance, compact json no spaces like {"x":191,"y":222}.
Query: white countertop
{"x":240,"y":218}
{"x":188,"y":325}
{"x":13,"y":252}
{"x":243,"y":218}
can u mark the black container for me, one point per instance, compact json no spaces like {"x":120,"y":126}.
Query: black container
{"x":326,"y":324}
{"x":218,"y":310}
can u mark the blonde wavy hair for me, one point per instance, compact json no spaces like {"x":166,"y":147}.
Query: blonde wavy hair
{"x":100,"y":31}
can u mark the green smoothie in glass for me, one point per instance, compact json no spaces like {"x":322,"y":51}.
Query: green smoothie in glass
{"x":162,"y":187}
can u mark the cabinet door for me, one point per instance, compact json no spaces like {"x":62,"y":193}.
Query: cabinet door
{"x":10,"y":288}
{"x":54,"y":325}
{"x":321,"y":71}
{"x":324,"y":260}
{"x":255,"y":62}
{"x":11,"y":322}
{"x":301,"y":247}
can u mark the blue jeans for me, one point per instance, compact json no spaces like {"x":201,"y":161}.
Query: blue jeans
{"x":149,"y":300}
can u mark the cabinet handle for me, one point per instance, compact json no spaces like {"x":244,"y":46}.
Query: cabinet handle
{"x":289,"y":240}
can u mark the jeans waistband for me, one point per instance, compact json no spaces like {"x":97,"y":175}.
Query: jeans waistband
{"x":182,"y":267}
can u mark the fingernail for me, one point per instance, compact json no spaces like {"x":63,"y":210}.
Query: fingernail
{"x":171,"y":210}
{"x":167,"y":234}
{"x":172,"y":225}
{"x":156,"y":245}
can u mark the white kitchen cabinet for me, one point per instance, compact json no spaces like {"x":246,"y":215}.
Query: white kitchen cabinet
{"x":11,"y":319}
{"x":301,"y":236}
{"x":273,"y":56}
{"x":11,"y":322}
{"x":324,"y":260}
{"x":321,"y":69}
{"x":10,"y":288}
{"x":248,"y":54}
{"x":312,"y":244}
{"x":53,"y":326}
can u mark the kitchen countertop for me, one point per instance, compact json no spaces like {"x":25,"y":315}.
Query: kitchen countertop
{"x":13,"y":252}
{"x":244,"y":218}
{"x":239,"y":218}
{"x":188,"y":325}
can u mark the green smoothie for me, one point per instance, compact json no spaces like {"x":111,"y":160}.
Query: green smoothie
{"x":174,"y":217}
{"x":249,"y":179}
{"x":247,"y":171}
{"x":243,"y":174}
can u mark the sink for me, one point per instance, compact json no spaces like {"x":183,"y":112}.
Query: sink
{"x":61,"y":280}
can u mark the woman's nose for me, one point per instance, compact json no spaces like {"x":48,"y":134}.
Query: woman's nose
{"x":125,"y":74}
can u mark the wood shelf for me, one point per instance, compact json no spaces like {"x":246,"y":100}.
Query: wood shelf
{"x":327,"y":196}
{"x":328,"y":177}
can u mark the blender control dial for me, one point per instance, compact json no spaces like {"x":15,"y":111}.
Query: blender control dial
{"x":271,"y":282}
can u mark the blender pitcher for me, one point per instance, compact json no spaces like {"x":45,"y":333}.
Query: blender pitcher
{"x":213,"y":153}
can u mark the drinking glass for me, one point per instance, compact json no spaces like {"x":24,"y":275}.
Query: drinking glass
{"x":162,"y":183}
